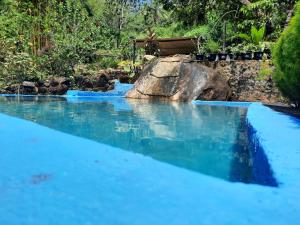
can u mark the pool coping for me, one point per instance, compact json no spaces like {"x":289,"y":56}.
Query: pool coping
{"x":135,"y":179}
{"x":222,"y":103}
{"x":271,"y":132}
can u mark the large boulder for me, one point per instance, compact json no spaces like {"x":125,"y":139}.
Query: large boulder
{"x":178,"y":78}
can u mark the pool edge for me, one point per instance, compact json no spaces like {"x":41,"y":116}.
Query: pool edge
{"x":275,"y":135}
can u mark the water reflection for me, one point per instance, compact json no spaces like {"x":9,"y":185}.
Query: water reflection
{"x":206,"y":139}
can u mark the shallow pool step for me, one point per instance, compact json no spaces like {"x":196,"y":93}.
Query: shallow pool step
{"x":119,"y":91}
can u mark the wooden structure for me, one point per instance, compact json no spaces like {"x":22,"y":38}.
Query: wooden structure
{"x":167,"y":46}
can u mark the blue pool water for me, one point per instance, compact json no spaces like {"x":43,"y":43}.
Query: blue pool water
{"x":207,"y":139}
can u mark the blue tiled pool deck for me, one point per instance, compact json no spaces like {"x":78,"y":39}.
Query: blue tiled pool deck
{"x":92,"y":183}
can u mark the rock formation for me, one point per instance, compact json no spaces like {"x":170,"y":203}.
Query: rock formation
{"x":83,"y":79}
{"x":177,"y":78}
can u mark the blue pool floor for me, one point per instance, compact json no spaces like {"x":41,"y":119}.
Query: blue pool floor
{"x":92,"y":183}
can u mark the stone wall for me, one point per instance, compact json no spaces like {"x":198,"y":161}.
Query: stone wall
{"x":245,"y":80}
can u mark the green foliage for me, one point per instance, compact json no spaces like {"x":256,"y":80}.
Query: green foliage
{"x":198,"y":31}
{"x":272,"y":13}
{"x":188,"y":12}
{"x":287,"y":59}
{"x":19,"y":67}
{"x":49,"y":38}
{"x":16,"y":25}
{"x":173,"y":30}
{"x":212,"y":46}
{"x":236,"y":48}
{"x":254,"y":40}
{"x":256,"y":36}
{"x":76,"y":38}
{"x":70,"y":36}
{"x":265,"y":70}
{"x":108,"y":62}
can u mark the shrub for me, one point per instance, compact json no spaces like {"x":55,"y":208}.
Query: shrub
{"x":108,"y":62}
{"x":287,"y":59}
{"x":19,"y":67}
{"x":212,"y":46}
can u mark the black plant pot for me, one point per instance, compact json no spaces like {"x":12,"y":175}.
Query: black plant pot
{"x":268,"y":53}
{"x":200,"y":57}
{"x":258,"y":55}
{"x":246,"y":56}
{"x":237,"y":56}
{"x":212,"y":57}
{"x":222,"y":56}
{"x":231,"y":56}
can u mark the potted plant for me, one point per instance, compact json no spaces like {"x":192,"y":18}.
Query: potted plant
{"x":234,"y":52}
{"x":200,"y":56}
{"x":202,"y":34}
{"x":254,"y":40}
{"x":266,"y":48}
{"x":213,"y":48}
{"x":258,"y":52}
{"x":258,"y":55}
{"x":222,"y":56}
{"x":247,"y":53}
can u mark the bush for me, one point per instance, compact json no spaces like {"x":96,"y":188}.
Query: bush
{"x":287,"y":59}
{"x":19,"y":67}
{"x":212,"y":46}
{"x":108,"y":62}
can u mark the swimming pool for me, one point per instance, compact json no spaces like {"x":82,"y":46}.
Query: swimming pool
{"x":207,"y":139}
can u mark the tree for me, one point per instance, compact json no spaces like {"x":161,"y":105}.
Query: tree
{"x":287,"y":59}
{"x":270,"y":13}
{"x":117,"y":15}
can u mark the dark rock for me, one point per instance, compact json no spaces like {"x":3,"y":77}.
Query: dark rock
{"x":86,"y":83}
{"x":42,"y":90}
{"x":78,"y":79}
{"x":59,"y":89}
{"x":216,"y":88}
{"x":28,"y":87}
{"x":53,"y":82}
{"x":56,"y":86}
{"x":102,"y":81}
{"x":59,"y":81}
{"x":40,"y":83}
{"x":124,"y":80}
{"x":64,"y":80}
{"x":12,"y":89}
